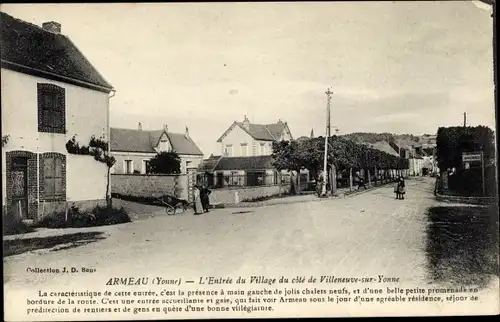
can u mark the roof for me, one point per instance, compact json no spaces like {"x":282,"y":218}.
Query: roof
{"x":130,"y":140}
{"x":384,"y":146}
{"x":209,"y":164}
{"x":261,"y":162}
{"x":263,"y":132}
{"x":31,"y":49}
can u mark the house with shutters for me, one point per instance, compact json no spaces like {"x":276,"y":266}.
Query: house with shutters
{"x":245,"y":159}
{"x":50,"y":93}
{"x":133,"y":148}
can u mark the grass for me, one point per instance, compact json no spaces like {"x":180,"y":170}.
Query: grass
{"x":14,"y":226}
{"x":76,"y":218}
{"x":462,"y":244}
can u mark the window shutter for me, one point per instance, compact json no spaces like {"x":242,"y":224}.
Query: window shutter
{"x":48,"y":167}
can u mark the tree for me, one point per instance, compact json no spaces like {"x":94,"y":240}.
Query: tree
{"x":5,"y":140}
{"x":165,"y":163}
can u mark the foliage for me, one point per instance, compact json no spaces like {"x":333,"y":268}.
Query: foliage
{"x":76,"y":218}
{"x":342,"y":152}
{"x":5,"y":140}
{"x":12,"y":225}
{"x":165,"y":163}
{"x":361,"y":137}
{"x":453,"y":141}
{"x":98,"y":148}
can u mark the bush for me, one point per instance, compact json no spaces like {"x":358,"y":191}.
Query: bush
{"x":12,"y":225}
{"x":99,"y":216}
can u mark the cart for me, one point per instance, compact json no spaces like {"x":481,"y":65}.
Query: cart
{"x":173,"y":204}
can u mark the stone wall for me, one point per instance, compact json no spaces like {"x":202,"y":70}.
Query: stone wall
{"x":227,"y":195}
{"x":146,"y":185}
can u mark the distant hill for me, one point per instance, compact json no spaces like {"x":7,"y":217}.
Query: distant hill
{"x":361,"y":137}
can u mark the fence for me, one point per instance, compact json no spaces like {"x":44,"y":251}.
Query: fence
{"x":251,"y":179}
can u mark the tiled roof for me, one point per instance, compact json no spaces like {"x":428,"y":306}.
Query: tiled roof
{"x":263,"y":132}
{"x":27,"y":46}
{"x":245,"y":163}
{"x":129,"y":140}
{"x":209,"y":164}
{"x":385,"y":147}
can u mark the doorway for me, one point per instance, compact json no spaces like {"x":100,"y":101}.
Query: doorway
{"x":20,"y":187}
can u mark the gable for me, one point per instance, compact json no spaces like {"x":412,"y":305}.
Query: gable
{"x":236,"y":134}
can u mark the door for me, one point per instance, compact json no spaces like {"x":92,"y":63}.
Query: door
{"x":20,"y":187}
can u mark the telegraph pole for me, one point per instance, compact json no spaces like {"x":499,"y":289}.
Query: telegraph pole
{"x":328,"y":128}
{"x":465,"y":119}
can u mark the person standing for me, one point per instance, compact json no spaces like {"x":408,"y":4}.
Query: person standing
{"x":205,"y":199}
{"x":197,"y":205}
{"x":401,"y":188}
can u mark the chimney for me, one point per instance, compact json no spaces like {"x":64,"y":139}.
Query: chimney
{"x":246,"y":123}
{"x":139,"y":126}
{"x":52,"y":26}
{"x":187,"y":132}
{"x":165,"y":128}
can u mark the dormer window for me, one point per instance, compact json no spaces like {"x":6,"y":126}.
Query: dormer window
{"x":164,"y":146}
{"x":51,"y":108}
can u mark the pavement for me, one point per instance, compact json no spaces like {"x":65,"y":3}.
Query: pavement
{"x":368,"y":234}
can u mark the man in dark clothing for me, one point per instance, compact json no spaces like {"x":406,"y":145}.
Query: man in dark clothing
{"x":205,"y":200}
{"x":361,"y":181}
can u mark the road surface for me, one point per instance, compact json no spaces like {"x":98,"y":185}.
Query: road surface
{"x":369,"y":234}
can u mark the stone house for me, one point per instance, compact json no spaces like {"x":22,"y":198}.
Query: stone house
{"x":134,"y":148}
{"x":50,"y":93}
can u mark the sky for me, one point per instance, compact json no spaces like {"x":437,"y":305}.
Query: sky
{"x":401,"y":67}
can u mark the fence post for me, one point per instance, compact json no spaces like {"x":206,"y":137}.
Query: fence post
{"x":369,"y":178}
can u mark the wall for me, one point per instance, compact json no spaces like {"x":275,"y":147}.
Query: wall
{"x":148,"y":185}
{"x":236,"y":137}
{"x":226,"y":195}
{"x":86,"y":115}
{"x":84,"y":178}
{"x":194,"y":160}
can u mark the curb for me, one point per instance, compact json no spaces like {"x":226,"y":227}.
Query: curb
{"x":468,"y":200}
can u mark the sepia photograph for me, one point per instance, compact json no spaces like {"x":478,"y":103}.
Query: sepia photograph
{"x":249,"y":160}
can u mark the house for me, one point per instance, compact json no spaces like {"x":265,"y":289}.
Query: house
{"x":133,"y":148}
{"x":224,"y":172}
{"x":244,"y":139}
{"x":50,"y":93}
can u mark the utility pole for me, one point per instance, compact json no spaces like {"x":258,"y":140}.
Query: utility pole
{"x":465,"y":119}
{"x":325,"y":161}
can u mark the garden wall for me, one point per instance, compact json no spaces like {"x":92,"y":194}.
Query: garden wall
{"x":227,"y":195}
{"x":148,"y":185}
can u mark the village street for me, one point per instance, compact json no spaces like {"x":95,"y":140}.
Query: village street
{"x":364,"y":235}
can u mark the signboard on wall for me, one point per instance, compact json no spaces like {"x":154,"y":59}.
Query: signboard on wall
{"x":472,"y":157}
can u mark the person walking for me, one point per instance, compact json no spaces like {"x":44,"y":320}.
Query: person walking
{"x":197,"y":205}
{"x":399,"y":188}
{"x":205,"y":200}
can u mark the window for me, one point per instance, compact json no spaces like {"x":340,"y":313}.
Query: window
{"x":256,"y":178}
{"x":229,"y":150}
{"x":244,"y":149}
{"x":53,"y":178}
{"x":262,"y":149}
{"x":51,"y":108}
{"x":235,"y":179}
{"x":275,"y":177}
{"x":145,"y":166}
{"x":270,"y":148}
{"x":128,"y":166}
{"x":164,"y":145}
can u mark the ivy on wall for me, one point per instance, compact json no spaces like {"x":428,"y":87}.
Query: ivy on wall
{"x":97,"y":147}
{"x":5,"y":140}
